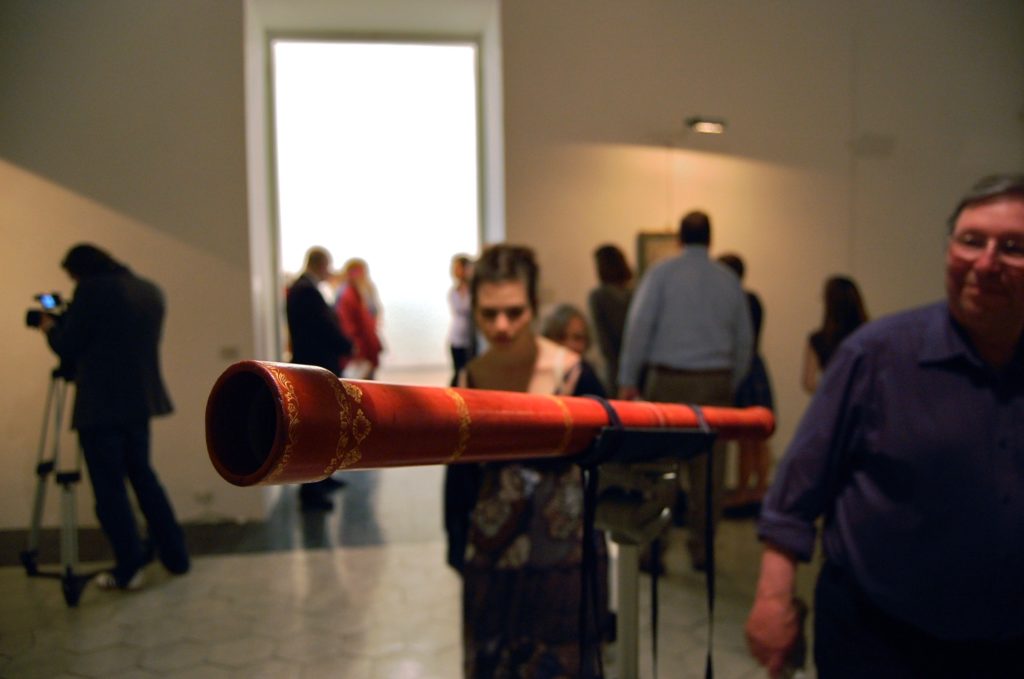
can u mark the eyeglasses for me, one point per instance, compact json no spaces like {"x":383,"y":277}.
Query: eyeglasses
{"x":970,"y":245}
{"x":512,"y":313}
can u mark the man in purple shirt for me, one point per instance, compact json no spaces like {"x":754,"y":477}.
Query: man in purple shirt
{"x":913,"y":453}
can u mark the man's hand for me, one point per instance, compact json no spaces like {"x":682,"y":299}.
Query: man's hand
{"x":772,"y":632}
{"x":629,"y":393}
{"x":774,"y":626}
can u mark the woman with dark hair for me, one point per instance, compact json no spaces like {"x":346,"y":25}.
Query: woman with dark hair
{"x":111,"y":334}
{"x":844,"y":313}
{"x":85,"y":260}
{"x":609,"y":304}
{"x":521,"y":554}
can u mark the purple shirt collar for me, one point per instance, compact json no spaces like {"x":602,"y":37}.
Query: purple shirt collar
{"x":944,"y":340}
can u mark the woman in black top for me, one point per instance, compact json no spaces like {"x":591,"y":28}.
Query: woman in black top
{"x":844,"y":313}
{"x":609,"y":304}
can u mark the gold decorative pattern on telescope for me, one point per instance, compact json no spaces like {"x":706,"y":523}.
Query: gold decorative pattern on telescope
{"x":352,"y":425}
{"x":464,"y":421}
{"x":291,"y":406}
{"x":566,"y":420}
{"x":354,"y":392}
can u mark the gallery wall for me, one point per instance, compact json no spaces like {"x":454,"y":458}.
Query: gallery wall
{"x":852,"y":129}
{"x":122,"y":124}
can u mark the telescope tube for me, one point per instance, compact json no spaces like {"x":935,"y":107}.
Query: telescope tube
{"x":275,"y":423}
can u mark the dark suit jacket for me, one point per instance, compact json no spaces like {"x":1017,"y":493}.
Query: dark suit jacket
{"x":316,"y":337}
{"x":110,"y":334}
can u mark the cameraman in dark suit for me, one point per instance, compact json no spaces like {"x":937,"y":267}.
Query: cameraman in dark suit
{"x":110,"y":336}
{"x":316,"y":340}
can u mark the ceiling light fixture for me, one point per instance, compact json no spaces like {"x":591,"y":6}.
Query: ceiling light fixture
{"x":706,"y":125}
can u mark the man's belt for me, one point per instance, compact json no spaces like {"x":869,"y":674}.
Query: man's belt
{"x":709,"y":372}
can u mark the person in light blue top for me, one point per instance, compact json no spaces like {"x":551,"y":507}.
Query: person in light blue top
{"x":688,"y":313}
{"x":689,"y":340}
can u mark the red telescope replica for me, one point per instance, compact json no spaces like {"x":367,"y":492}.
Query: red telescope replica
{"x":271,"y":423}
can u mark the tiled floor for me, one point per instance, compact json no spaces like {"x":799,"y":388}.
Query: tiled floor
{"x":380,"y":611}
{"x":361,"y":592}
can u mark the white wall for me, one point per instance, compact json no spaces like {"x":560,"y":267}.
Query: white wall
{"x":853,"y":127}
{"x":122,"y":124}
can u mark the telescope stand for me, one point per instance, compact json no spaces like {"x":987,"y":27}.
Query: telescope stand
{"x":633,"y":509}
{"x":637,"y":488}
{"x":72,"y":583}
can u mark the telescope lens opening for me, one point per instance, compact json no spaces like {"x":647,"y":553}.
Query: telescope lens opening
{"x":242,"y":423}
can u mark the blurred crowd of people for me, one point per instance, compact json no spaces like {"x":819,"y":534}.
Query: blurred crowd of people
{"x":686,"y":332}
{"x":903,"y":413}
{"x":909,"y":450}
{"x":333,"y":323}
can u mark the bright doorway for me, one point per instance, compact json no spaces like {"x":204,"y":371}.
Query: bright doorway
{"x":378,"y":156}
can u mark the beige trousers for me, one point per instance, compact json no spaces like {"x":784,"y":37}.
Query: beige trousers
{"x":701,"y":387}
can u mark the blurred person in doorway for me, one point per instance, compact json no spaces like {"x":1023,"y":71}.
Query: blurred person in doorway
{"x":461,"y":334}
{"x":316,"y":339}
{"x":358,"y":310}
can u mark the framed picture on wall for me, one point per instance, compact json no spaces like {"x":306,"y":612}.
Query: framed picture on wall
{"x":654,"y":246}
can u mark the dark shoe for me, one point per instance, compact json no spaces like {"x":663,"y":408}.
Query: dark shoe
{"x":313,"y":496}
{"x":611,"y":628}
{"x":680,"y":510}
{"x":178,"y":566}
{"x":315,"y":503}
{"x":652,"y":557}
{"x":176,"y":560}
{"x":331,"y":484}
{"x":698,"y":559}
{"x":655,"y":566}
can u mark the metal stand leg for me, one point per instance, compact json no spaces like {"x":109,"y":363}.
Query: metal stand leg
{"x":634,"y":514}
{"x":72,"y":583}
{"x":627,"y":636}
{"x":637,"y":489}
{"x":55,"y":396}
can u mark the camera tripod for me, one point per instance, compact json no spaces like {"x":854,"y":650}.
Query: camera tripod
{"x":72,"y":582}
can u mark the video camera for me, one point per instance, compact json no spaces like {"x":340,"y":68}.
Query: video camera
{"x":50,"y":304}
